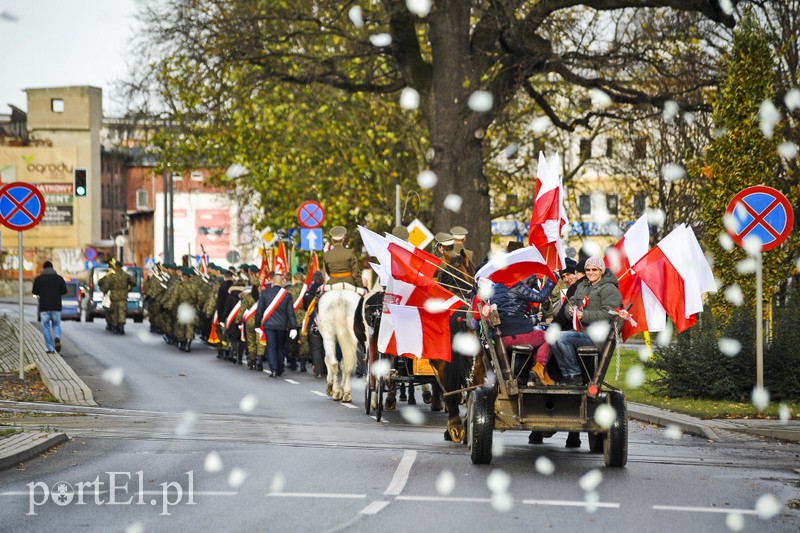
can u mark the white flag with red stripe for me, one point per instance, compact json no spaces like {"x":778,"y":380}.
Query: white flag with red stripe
{"x":549,"y":215}
{"x":425,"y":335}
{"x":677,"y":273}
{"x":232,"y":314}
{"x":515,"y":266}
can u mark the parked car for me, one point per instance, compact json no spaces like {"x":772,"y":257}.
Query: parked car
{"x":94,"y":305}
{"x":70,"y":302}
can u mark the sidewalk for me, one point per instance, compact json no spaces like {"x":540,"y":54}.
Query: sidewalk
{"x":27,"y":445}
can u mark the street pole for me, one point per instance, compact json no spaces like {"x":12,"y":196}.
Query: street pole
{"x":166,"y":220}
{"x":759,"y":321}
{"x":397,"y":205}
{"x":171,"y":219}
{"x":21,"y":312}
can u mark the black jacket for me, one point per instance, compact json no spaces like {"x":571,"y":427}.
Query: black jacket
{"x":512,"y":304}
{"x":222,"y":295}
{"x":49,"y":287}
{"x":283,"y":318}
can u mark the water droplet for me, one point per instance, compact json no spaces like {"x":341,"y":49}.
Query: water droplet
{"x":381,"y":40}
{"x":614,"y":259}
{"x":453,"y":202}
{"x":409,"y":99}
{"x":600,"y":99}
{"x":278,"y":483}
{"x":427,"y":179}
{"x":726,"y":241}
{"x":356,"y":16}
{"x":670,"y":111}
{"x":784,"y":413}
{"x":726,"y":6}
{"x":591,"y":480}
{"x":552,"y":333}
{"x":673,"y":432}
{"x":435,"y":305}
{"x":729,"y":347}
{"x":114,"y":375}
{"x":185,"y":424}
{"x":540,"y":124}
{"x":485,"y":290}
{"x":746,"y":266}
{"x":644,"y":354}
{"x":381,"y":367}
{"x":186,"y":313}
{"x":656,"y":217}
{"x":735,"y":521}
{"x":768,"y":506}
{"x":445,"y":483}
{"x":213,"y":462}
{"x":768,"y":116}
{"x":689,"y":117}
{"x":592,"y":498}
{"x":590,"y":248}
{"x":760,"y":398}
{"x":731,"y":224}
{"x":511,"y":150}
{"x":419,"y":7}
{"x":788,"y":150}
{"x":598,"y":331}
{"x":752,"y":245}
{"x":605,"y":415}
{"x":236,"y":477}
{"x":635,"y":377}
{"x":664,"y":338}
{"x":248,"y":403}
{"x":480,"y":101}
{"x":413,"y":415}
{"x":236,"y":170}
{"x":545,"y":466}
{"x":498,"y":446}
{"x":502,"y":502}
{"x":673,"y":172}
{"x":466,"y":344}
{"x":792,"y":99}
{"x":136,"y":527}
{"x":498,"y":481}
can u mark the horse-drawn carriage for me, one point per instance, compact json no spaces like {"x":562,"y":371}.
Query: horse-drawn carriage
{"x":503,"y":403}
{"x":402,"y":372}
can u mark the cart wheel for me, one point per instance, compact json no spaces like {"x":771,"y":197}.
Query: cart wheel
{"x":596,"y":442}
{"x":615,"y":445}
{"x":367,"y":396}
{"x":379,"y":384}
{"x":480,"y":426}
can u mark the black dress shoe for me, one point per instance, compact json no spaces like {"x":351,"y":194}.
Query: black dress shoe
{"x":536,"y":437}
{"x":573,"y":440}
{"x":571,"y":381}
{"x":272,"y":374}
{"x":260,"y":367}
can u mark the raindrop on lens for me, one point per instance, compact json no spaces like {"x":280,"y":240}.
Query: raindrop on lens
{"x":673,"y":172}
{"x":689,"y":117}
{"x":380,"y":40}
{"x":735,"y":521}
{"x":598,"y":331}
{"x":600,"y":99}
{"x":760,"y":398}
{"x":768,"y":116}
{"x":726,"y":6}
{"x":592,"y":498}
{"x":236,"y":478}
{"x":466,"y":344}
{"x":445,"y":483}
{"x":435,"y":305}
{"x":498,"y":481}
{"x":136,"y":527}
{"x":726,"y":242}
{"x":502,"y":502}
{"x":670,"y":111}
{"x":498,"y":447}
{"x":186,"y":313}
{"x":729,"y":347}
{"x":413,"y":415}
{"x":419,"y":7}
{"x":591,"y":480}
{"x":545,"y":466}
{"x":409,"y":99}
{"x":453,"y":202}
{"x":356,"y":16}
{"x":788,"y":150}
{"x":635,"y":377}
{"x":768,"y":506}
{"x":540,"y":124}
{"x":236,"y":170}
{"x":248,"y":403}
{"x":381,"y":367}
{"x":605,"y":415}
{"x":746,"y":266}
{"x":427,"y":179}
{"x":480,"y":101}
{"x":278,"y":483}
{"x":590,"y":247}
{"x":792,"y":99}
{"x":673,"y":432}
{"x":552,"y":333}
{"x":213,"y":462}
{"x":784,"y":413}
{"x":664,"y":338}
{"x":752,"y":245}
{"x":114,"y":375}
{"x":656,"y":217}
{"x":188,"y":418}
{"x":511,"y":150}
{"x":644,"y":354}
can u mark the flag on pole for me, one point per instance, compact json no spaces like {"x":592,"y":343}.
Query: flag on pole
{"x":263,"y":272}
{"x":280,"y":264}
{"x":203,"y":261}
{"x":213,"y":338}
{"x":549,"y":215}
{"x":515,"y":266}
{"x":425,"y":335}
{"x":313,"y":266}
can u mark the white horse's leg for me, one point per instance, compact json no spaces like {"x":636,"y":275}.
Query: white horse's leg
{"x":348,"y":344}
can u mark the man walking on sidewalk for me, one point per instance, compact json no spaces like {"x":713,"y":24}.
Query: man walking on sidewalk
{"x":49,"y":287}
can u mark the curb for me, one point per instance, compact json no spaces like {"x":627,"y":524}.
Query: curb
{"x":27,"y":445}
{"x":700,"y":430}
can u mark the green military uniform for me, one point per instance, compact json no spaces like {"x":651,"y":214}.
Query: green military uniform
{"x":185,"y":293}
{"x":459,"y":234}
{"x":166,"y":320}
{"x":298,"y":348}
{"x":341,"y":263}
{"x":255,"y":350}
{"x":117,"y":283}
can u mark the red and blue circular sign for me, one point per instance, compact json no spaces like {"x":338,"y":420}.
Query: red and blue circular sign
{"x":21,"y":206}
{"x":310,"y":214}
{"x":760,"y":212}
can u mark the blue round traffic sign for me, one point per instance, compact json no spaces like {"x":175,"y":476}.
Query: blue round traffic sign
{"x":21,"y":206}
{"x":760,"y":212}
{"x":90,"y":254}
{"x":310,"y":214}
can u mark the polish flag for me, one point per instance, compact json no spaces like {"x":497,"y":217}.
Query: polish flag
{"x":645,"y":308}
{"x":515,"y":266}
{"x":425,"y":335}
{"x":232,"y":314}
{"x":263,"y":272}
{"x":549,"y":215}
{"x":677,"y":273}
{"x":280,"y":260}
{"x":313,"y":266}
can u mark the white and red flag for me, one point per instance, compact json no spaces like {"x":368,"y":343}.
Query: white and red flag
{"x":280,"y":264}
{"x":425,"y":335}
{"x":549,"y":215}
{"x":232,"y":314}
{"x":515,"y":266}
{"x":646,"y":310}
{"x":263,"y":272}
{"x":677,"y":273}
{"x":576,"y":323}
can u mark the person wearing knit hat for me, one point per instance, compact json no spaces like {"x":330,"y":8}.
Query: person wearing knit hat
{"x":594,"y":296}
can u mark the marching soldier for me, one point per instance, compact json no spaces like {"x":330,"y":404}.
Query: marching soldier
{"x":341,"y":263}
{"x":117,"y":283}
{"x":222,"y":295}
{"x":298,"y":349}
{"x":247,"y":316}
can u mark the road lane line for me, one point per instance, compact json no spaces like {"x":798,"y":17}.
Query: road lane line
{"x":568,"y":503}
{"x":401,"y":474}
{"x":703,"y":509}
{"x":349,"y":405}
{"x":293,"y":382}
{"x":342,"y":496}
{"x":374,"y":508}
{"x":453,"y":499}
{"x":383,"y":420}
{"x":318,"y":393}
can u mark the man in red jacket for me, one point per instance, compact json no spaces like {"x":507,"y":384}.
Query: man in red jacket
{"x":49,"y":287}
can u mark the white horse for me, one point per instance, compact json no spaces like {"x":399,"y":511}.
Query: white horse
{"x":336,"y":313}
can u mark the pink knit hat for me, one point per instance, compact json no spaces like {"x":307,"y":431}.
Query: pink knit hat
{"x":595,"y":261}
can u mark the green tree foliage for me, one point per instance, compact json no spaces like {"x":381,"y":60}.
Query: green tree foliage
{"x":741,"y":156}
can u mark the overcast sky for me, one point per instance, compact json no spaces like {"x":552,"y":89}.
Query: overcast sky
{"x":55,"y":43}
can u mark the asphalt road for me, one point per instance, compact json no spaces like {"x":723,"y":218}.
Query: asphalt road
{"x":297,"y":461}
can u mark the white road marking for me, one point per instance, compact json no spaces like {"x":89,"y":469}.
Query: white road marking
{"x":375,"y":418}
{"x":401,"y":474}
{"x":703,"y":509}
{"x":349,"y":405}
{"x":318,"y":393}
{"x":568,"y":503}
{"x":443,"y":499}
{"x":293,"y":382}
{"x":374,"y":508}
{"x":342,"y":496}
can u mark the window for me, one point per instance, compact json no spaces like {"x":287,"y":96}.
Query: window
{"x":197,"y":176}
{"x":612,"y":204}
{"x":57,"y":105}
{"x":141,"y":199}
{"x":586,"y":148}
{"x":585,"y":204}
{"x":609,"y":147}
{"x":639,"y":204}
{"x":640,"y":148}
{"x":177,"y":177}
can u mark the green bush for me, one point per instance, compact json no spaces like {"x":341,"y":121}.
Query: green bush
{"x":782,"y":358}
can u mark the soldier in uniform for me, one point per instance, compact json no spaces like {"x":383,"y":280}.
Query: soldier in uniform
{"x":298,"y":350}
{"x":117,"y":283}
{"x":341,"y":263}
{"x":459,"y":234}
{"x":247,"y":316}
{"x":186,"y":293}
{"x":315,"y":347}
{"x":222,"y":295}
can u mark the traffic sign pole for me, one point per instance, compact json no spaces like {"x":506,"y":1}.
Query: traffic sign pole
{"x":21,"y":312}
{"x":759,"y":320}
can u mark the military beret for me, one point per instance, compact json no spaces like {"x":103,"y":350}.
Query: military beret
{"x":253,"y":268}
{"x":338,"y":232}
{"x":186,"y":271}
{"x":459,"y":233}
{"x":401,"y":232}
{"x":445,"y":239}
